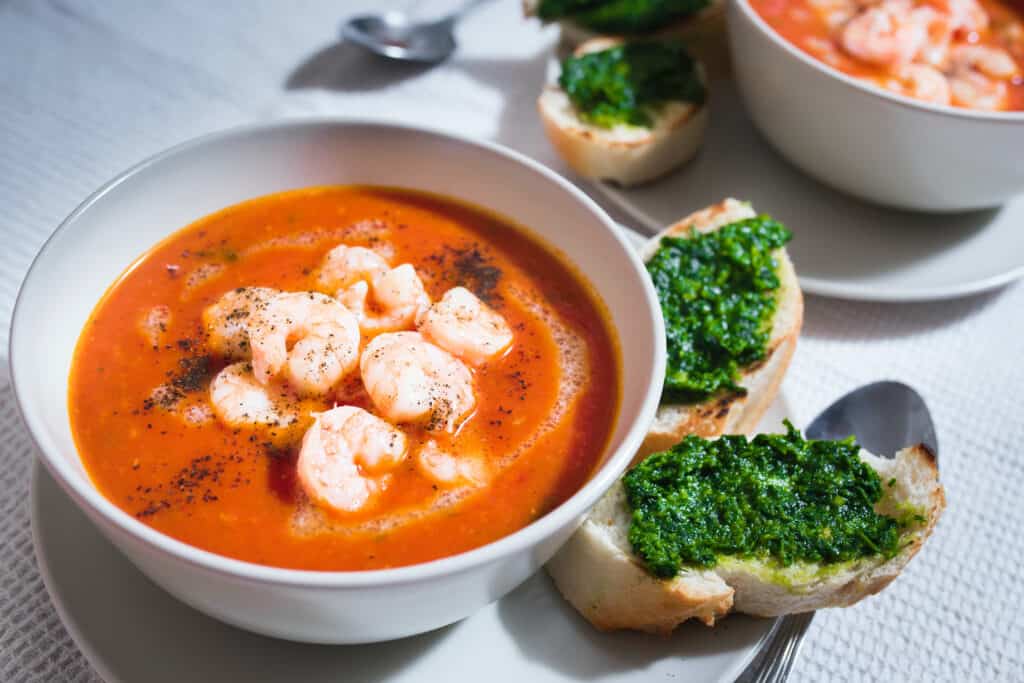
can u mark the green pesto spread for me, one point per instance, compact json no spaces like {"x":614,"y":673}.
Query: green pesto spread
{"x":629,"y":83}
{"x":718,"y":293}
{"x":626,"y":17}
{"x":775,"y":500}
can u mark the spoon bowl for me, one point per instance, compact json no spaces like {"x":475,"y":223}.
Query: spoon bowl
{"x":884,"y":416}
{"x":394,"y":36}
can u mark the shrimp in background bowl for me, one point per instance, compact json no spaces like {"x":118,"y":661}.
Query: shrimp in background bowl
{"x":963,"y":53}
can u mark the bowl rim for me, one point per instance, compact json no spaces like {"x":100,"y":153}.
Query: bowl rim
{"x":81,"y":488}
{"x":1004,"y":117}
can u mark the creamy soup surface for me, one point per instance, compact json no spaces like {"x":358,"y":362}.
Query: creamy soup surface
{"x":344,"y":378}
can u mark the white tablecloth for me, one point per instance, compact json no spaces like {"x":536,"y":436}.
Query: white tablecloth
{"x":89,"y":88}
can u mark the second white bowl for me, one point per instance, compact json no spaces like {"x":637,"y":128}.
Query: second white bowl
{"x":863,"y":140}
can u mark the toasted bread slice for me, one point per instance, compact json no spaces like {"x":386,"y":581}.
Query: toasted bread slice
{"x":598,"y":573}
{"x":731,"y":413}
{"x":628,"y":155}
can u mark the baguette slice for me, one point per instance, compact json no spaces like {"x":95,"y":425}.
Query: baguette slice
{"x":730,"y":413}
{"x":598,"y":573}
{"x":628,"y":155}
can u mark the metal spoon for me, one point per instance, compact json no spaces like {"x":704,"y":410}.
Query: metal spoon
{"x":885,"y":417}
{"x":396,"y":36}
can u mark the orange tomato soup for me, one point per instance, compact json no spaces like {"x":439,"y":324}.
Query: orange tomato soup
{"x":139,"y":386}
{"x":923,"y":49}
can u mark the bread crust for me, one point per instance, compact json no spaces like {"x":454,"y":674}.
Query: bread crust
{"x":625,"y":154}
{"x":598,"y":573}
{"x":916,"y":476}
{"x":730,"y":412}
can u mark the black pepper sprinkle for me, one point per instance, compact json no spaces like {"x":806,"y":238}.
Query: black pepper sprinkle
{"x":203,"y":472}
{"x":469,"y":267}
{"x":195,"y":372}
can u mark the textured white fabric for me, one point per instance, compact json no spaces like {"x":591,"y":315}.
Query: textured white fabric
{"x":89,"y":88}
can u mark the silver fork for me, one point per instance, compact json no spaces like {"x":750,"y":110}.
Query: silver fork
{"x":773,"y":664}
{"x":885,"y":417}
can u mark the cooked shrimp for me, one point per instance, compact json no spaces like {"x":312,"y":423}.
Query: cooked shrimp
{"x":153,"y":324}
{"x":344,"y":266}
{"x":835,"y":12}
{"x":340,"y":452}
{"x":991,"y":61}
{"x":411,"y":380}
{"x":325,"y":336}
{"x":938,"y":35}
{"x":240,"y":401}
{"x":227,"y":321}
{"x":923,"y":82}
{"x":975,"y":90}
{"x":354,"y":299}
{"x":384,"y":299}
{"x":447,"y":469}
{"x":978,"y":76}
{"x":886,"y":34}
{"x":466,"y":327}
{"x":393,"y":301}
{"x":967,"y":16}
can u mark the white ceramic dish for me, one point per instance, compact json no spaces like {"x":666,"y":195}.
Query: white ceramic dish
{"x":130,"y":630}
{"x":866,"y":141}
{"x":843,"y":247}
{"x":133,"y":212}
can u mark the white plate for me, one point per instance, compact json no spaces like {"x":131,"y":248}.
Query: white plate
{"x":131,"y":630}
{"x":842,"y":247}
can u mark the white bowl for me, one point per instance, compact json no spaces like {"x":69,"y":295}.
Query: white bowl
{"x":145,"y":204}
{"x":861,"y":139}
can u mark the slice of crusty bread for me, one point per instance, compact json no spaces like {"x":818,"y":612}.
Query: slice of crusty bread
{"x":598,"y":573}
{"x":628,"y":155}
{"x":730,"y":413}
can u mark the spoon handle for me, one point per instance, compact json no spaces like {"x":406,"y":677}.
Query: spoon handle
{"x":458,"y":13}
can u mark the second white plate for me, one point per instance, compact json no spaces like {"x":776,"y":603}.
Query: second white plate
{"x":842,"y":247}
